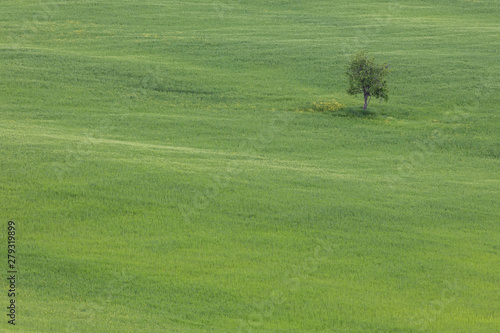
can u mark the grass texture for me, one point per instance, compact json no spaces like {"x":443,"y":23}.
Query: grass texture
{"x":166,"y":174}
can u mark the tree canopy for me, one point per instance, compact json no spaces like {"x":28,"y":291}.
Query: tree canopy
{"x":367,"y":77}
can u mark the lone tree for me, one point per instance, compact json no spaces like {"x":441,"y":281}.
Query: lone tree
{"x":367,"y":77}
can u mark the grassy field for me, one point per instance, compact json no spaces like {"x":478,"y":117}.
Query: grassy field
{"x":165,"y":173}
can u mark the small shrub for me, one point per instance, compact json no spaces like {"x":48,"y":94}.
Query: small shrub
{"x":327,"y":106}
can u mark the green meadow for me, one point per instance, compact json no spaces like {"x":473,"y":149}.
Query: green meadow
{"x":166,"y":170}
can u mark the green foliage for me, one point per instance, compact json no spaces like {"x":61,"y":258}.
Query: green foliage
{"x":367,"y":77}
{"x":327,"y":106}
{"x":331,"y":106}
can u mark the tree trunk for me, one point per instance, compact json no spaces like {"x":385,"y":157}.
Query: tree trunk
{"x":366,"y":101}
